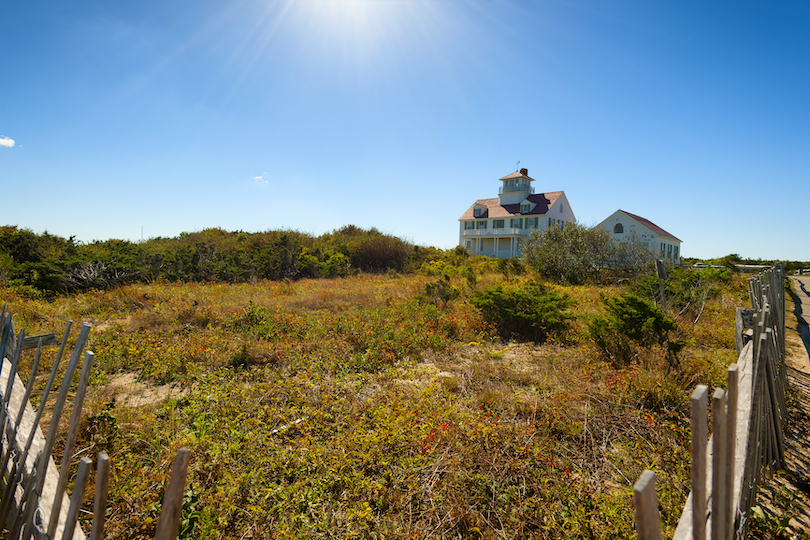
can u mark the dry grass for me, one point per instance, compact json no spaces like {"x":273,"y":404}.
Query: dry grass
{"x":417,"y":421}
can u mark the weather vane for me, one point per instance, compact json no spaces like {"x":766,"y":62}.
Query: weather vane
{"x":516,"y":165}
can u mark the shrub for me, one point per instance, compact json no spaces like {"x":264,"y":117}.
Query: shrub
{"x":378,"y":252}
{"x":574,"y":254}
{"x":441,"y":291}
{"x":686,"y":290}
{"x":524,"y":310}
{"x":633,"y":319}
{"x":337,"y":265}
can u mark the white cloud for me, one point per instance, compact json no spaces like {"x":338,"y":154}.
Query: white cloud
{"x":259,"y":179}
{"x":5,"y":141}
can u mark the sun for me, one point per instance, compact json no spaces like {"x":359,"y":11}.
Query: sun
{"x":366,"y":33}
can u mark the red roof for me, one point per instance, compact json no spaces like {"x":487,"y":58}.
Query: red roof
{"x":652,"y":226}
{"x":492,"y":208}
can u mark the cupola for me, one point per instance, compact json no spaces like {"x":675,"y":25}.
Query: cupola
{"x":516,"y":187}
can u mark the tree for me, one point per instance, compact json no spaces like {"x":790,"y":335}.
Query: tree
{"x":577,"y":254}
{"x":572,"y":254}
{"x":630,"y":257}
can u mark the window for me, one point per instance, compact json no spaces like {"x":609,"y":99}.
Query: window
{"x":676,"y":252}
{"x":516,"y":224}
{"x":469,"y":225}
{"x":524,"y":208}
{"x":561,"y":208}
{"x":477,"y":211}
{"x":618,"y":229}
{"x":497,"y":224}
{"x":482,"y":224}
{"x":550,"y":222}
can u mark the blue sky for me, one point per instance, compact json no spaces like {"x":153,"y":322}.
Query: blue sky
{"x":165,"y":117}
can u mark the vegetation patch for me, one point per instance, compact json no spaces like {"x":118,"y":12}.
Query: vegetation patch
{"x":525,"y":310}
{"x":401,"y":405}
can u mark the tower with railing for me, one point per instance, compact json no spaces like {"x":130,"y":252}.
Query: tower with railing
{"x":516,"y":187}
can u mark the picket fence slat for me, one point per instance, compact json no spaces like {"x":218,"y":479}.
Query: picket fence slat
{"x":729,"y":509}
{"x":73,"y":430}
{"x":700,"y":430}
{"x":646,"y":503}
{"x":169,"y":521}
{"x":100,"y":499}
{"x":719,"y":519}
{"x":79,"y":485}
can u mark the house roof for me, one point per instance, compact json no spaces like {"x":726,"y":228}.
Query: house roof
{"x":652,"y":226}
{"x":492,"y":208}
{"x":517,"y":174}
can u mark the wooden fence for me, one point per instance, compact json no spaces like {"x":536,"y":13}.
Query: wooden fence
{"x":33,"y":503}
{"x":747,"y":425}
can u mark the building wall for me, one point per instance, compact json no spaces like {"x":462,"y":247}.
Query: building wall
{"x":662,"y":247}
{"x":517,"y":227}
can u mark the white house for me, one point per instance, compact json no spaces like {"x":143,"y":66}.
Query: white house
{"x":624,"y":226}
{"x":496,"y":227}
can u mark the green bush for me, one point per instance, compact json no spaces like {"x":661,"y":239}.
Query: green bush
{"x":524,"y":310}
{"x":631,"y":320}
{"x":686,"y":290}
{"x":441,"y":291}
{"x":572,"y":254}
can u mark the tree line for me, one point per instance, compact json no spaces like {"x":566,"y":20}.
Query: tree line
{"x":55,"y":264}
{"x":575,"y":254}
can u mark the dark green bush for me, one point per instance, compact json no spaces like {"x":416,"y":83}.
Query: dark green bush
{"x":631,"y":320}
{"x":686,"y":290}
{"x":378,"y":253}
{"x":524,"y":311}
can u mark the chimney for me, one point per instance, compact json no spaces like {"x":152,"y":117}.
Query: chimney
{"x":524,"y":172}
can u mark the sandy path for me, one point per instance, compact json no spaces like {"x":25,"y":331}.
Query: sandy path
{"x":795,"y":480}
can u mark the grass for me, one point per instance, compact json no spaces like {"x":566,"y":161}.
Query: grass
{"x":358,"y":408}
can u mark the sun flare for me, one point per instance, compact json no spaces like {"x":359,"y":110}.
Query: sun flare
{"x":364,"y":32}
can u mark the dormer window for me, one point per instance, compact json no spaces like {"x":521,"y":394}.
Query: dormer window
{"x":525,"y":208}
{"x":477,"y":211}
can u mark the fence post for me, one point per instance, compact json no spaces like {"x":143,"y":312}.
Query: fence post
{"x":169,"y":521}
{"x":699,"y":437}
{"x":79,"y":485}
{"x":100,"y":499}
{"x":646,"y":502}
{"x":719,"y":469}
{"x":731,"y":444}
{"x":73,"y":431}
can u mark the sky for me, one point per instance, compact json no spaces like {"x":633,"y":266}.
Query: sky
{"x":143,"y":119}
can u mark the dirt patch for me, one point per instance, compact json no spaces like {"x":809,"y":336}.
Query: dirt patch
{"x":128,"y":390}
